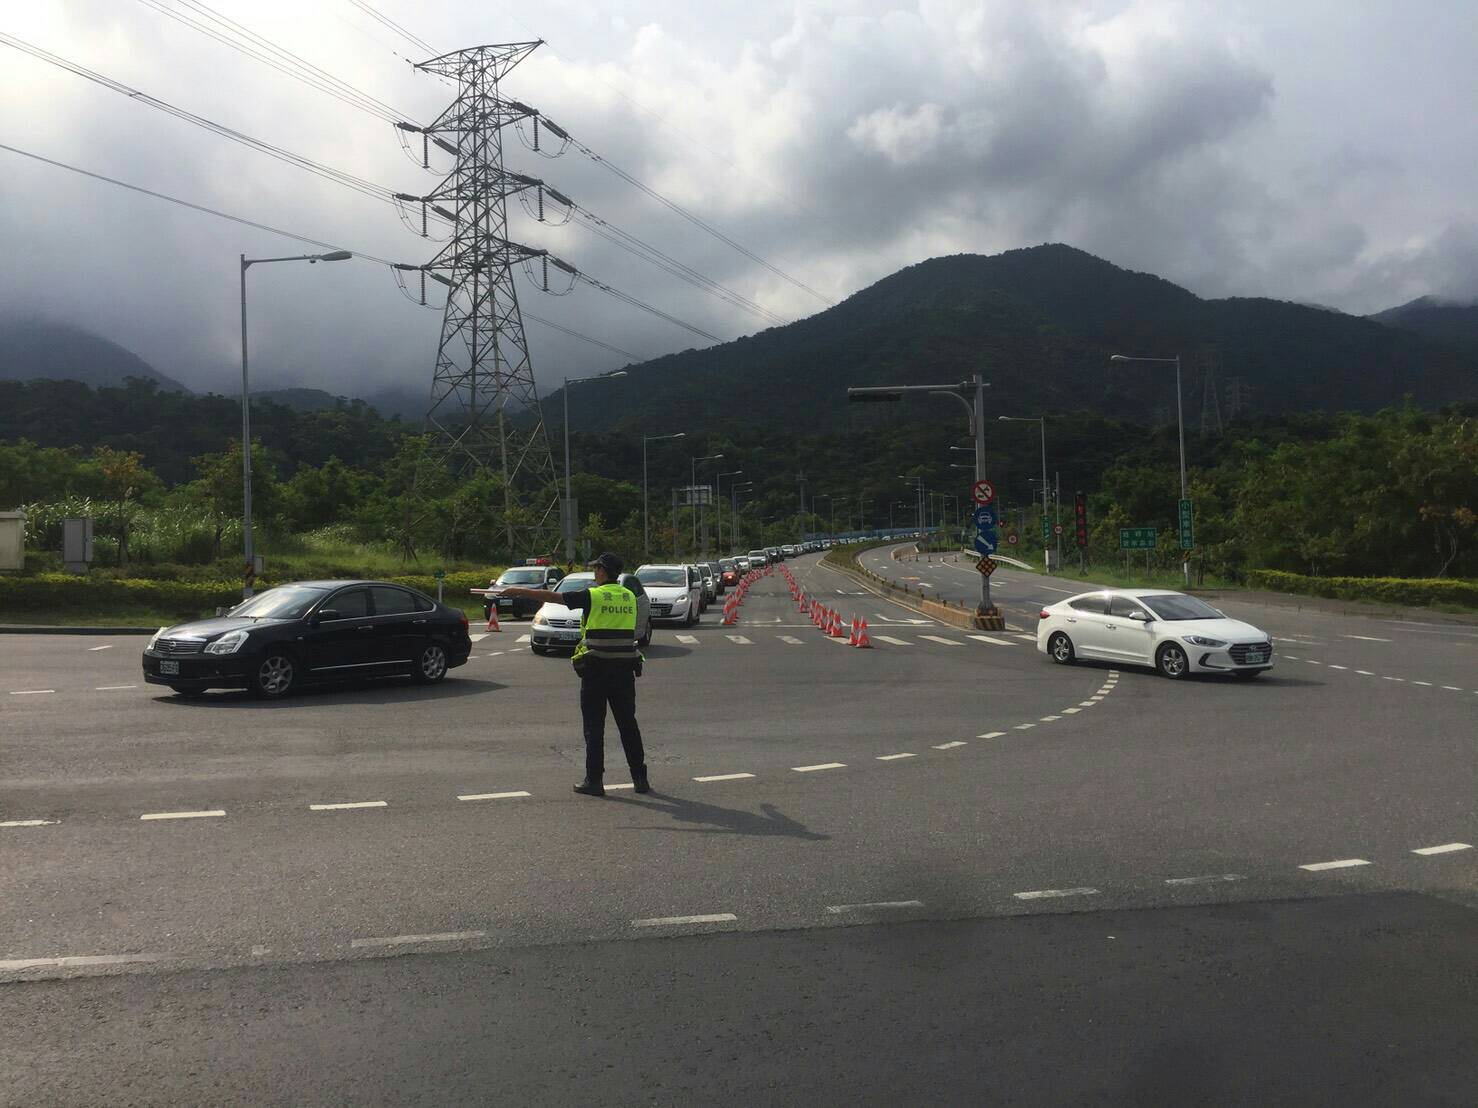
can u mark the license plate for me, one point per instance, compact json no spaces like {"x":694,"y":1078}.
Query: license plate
{"x":167,"y":668}
{"x":505,"y":603}
{"x":1256,"y":659}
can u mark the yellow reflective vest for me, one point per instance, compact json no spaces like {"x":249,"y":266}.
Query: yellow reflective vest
{"x":608,"y":626}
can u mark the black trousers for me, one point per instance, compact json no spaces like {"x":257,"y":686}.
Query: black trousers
{"x":618,"y":690}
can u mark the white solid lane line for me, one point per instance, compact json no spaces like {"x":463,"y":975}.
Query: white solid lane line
{"x":27,"y":823}
{"x":791,"y":639}
{"x":837,"y":909}
{"x":113,"y":688}
{"x":942,"y":639}
{"x":411,"y":940}
{"x":820,"y":765}
{"x":950,"y":746}
{"x":894,"y":757}
{"x":676,"y":921}
{"x":892,"y":641}
{"x":108,"y":646}
{"x":724,"y":777}
{"x":1040,"y":894}
{"x":212,"y":813}
{"x":1364,"y":638}
{"x":1445,"y":848}
{"x":31,"y":692}
{"x":991,"y":735}
{"x":691,"y":640}
{"x":353,"y":804}
{"x":1343,"y":863}
{"x":740,"y":639}
{"x":1209,"y":879}
{"x":77,"y":960}
{"x":492,"y":796}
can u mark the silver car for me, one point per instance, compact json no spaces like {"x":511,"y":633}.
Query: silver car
{"x":558,"y":628}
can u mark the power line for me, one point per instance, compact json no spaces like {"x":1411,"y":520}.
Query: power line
{"x":273,"y":230}
{"x":386,"y":21}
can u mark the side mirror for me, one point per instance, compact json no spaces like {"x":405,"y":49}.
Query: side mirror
{"x":323,"y":614}
{"x":1139,"y":617}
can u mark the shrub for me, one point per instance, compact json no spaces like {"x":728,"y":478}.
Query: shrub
{"x":1413,"y":591}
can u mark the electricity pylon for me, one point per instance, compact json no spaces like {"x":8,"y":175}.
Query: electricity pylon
{"x":484,"y":415}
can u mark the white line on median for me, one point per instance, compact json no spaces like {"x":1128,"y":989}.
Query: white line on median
{"x":820,"y":765}
{"x":353,"y":804}
{"x":837,"y":909}
{"x":950,"y":746}
{"x":724,"y":777}
{"x":1209,"y":879}
{"x":1445,"y":848}
{"x":76,"y":960}
{"x":677,"y":921}
{"x":1041,"y":894}
{"x":1343,"y":863}
{"x":492,"y":796}
{"x":991,"y":735}
{"x":27,"y":823}
{"x":410,"y":940}
{"x":894,"y":757}
{"x":213,"y":812}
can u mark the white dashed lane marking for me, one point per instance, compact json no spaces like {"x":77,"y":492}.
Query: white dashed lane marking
{"x":106,"y":646}
{"x":893,"y":641}
{"x":837,"y":909}
{"x":76,"y":960}
{"x":412,"y":940}
{"x":724,"y":777}
{"x":113,"y":688}
{"x":492,"y":796}
{"x":352,"y":804}
{"x":1048,"y":719}
{"x":1343,"y":863}
{"x":791,"y":639}
{"x":1209,"y":879}
{"x":991,"y":735}
{"x":950,"y":746}
{"x":691,"y":640}
{"x":1071,"y":711}
{"x":213,"y":813}
{"x":1364,"y":638}
{"x":1024,"y":726}
{"x":27,"y":822}
{"x":524,"y":638}
{"x":820,"y":765}
{"x":31,"y":692}
{"x":740,"y":639}
{"x":1445,"y":848}
{"x":678,"y":921}
{"x":1042,"y":894}
{"x":894,"y":757}
{"x":997,"y":642}
{"x":942,"y":640}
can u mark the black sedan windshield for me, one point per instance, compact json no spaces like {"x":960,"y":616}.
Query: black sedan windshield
{"x":284,"y":602}
{"x":1176,"y":606}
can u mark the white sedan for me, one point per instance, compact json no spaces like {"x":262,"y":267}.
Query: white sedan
{"x":558,"y":628}
{"x":1174,"y":633}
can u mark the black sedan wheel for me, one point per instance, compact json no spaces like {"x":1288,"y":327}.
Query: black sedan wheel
{"x":1061,"y":649}
{"x":274,"y":676}
{"x":1172,"y":662}
{"x":430,"y":664}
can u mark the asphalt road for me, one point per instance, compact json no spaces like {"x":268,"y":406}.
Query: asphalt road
{"x":864,"y":875}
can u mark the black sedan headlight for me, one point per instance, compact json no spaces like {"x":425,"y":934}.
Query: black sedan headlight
{"x":229,"y":643}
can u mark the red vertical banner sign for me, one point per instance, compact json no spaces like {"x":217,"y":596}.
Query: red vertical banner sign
{"x":1080,"y":518}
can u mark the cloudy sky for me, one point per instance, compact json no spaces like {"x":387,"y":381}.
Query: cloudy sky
{"x":1318,"y":150}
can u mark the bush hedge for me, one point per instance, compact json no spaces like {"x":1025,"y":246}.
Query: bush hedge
{"x":65,"y":592}
{"x":1412,"y":591}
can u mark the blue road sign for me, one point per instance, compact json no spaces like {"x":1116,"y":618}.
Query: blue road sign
{"x":987,"y":542}
{"x":985,"y":518}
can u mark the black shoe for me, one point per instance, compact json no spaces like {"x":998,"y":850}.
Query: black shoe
{"x":641,"y":783}
{"x":590,"y":788}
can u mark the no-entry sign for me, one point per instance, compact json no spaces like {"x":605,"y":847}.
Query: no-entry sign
{"x":983,"y":492}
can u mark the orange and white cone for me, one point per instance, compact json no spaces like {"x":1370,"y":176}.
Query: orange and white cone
{"x":493,"y":617}
{"x":859,"y":634}
{"x":835,"y":630}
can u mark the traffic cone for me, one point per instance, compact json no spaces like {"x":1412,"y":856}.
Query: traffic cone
{"x":493,"y":617}
{"x":859,"y":636}
{"x":835,"y":630}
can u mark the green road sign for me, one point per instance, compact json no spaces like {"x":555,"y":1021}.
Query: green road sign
{"x":1187,"y":525}
{"x":1046,"y":531}
{"x":1136,"y":538}
{"x":441,"y":575}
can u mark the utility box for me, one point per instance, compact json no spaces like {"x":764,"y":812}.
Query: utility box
{"x":12,"y":540}
{"x":77,"y":544}
{"x":1053,"y":561}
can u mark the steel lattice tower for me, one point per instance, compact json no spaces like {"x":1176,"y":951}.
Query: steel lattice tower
{"x":484,"y":415}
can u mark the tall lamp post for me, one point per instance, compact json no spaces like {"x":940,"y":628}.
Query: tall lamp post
{"x":919,"y":496}
{"x":735,"y":487}
{"x":246,"y":539}
{"x":693,"y":485}
{"x":569,"y":511}
{"x":646,"y":529}
{"x":1042,"y":422}
{"x":718,"y":502}
{"x":1185,"y":563}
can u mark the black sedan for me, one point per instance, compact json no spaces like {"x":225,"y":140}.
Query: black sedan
{"x":307,"y":632}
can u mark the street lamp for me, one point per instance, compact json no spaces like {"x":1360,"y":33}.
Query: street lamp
{"x":1180,"y":427}
{"x":246,"y":263}
{"x":693,"y":492}
{"x":718,"y":501}
{"x":735,"y":487}
{"x":1042,"y":422}
{"x":920,"y":480}
{"x":569,"y":512}
{"x":646,"y":530}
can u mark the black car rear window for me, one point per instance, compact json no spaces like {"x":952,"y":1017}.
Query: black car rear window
{"x":1090,"y":604}
{"x":391,"y":601}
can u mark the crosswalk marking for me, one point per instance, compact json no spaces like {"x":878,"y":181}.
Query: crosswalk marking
{"x":995,"y":642}
{"x":740,"y":639}
{"x":478,"y":636}
{"x":691,"y":640}
{"x":524,"y":638}
{"x":1025,"y":635}
{"x":890,"y":639}
{"x":942,"y":640}
{"x":791,"y":639}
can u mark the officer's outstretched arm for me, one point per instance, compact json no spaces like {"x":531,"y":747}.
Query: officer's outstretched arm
{"x":543,"y":596}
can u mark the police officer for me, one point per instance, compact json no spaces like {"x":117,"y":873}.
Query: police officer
{"x":608,"y":663}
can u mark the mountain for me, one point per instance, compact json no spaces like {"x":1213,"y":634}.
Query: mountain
{"x":1445,"y":321}
{"x":1039,"y":324}
{"x":33,"y":348}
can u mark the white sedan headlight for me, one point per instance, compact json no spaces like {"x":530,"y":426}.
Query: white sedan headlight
{"x":229,"y":643}
{"x":679,"y":601}
{"x":1201,"y":640}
